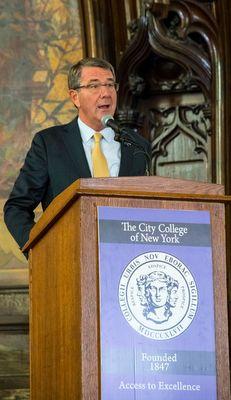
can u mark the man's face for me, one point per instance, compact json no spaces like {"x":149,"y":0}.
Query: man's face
{"x":93,"y":105}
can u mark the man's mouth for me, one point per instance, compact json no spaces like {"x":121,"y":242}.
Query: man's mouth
{"x":104,"y":107}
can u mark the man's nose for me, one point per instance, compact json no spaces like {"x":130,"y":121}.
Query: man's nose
{"x":104,"y":91}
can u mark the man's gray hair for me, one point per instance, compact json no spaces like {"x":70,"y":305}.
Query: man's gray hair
{"x":74,"y":75}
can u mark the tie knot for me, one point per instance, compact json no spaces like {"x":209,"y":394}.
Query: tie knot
{"x":97,"y":136}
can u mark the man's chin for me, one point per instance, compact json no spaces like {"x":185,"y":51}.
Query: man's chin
{"x":107,"y":111}
{"x":101,"y":115}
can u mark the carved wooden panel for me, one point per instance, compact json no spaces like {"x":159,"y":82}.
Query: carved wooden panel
{"x":180,"y":139}
{"x":168,"y":74}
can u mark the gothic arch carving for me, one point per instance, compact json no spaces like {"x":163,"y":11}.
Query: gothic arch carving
{"x":172,"y":66}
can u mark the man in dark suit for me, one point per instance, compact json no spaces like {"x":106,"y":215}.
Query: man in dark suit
{"x":61,"y":154}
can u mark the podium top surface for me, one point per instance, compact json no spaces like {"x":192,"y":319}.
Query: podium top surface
{"x":152,"y":187}
{"x":148,"y":184}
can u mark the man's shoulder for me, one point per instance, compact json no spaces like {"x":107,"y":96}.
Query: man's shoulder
{"x":57,"y":129}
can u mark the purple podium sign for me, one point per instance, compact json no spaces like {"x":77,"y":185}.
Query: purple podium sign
{"x":156,"y":305}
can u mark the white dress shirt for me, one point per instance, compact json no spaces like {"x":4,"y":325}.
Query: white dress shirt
{"x":110,"y":148}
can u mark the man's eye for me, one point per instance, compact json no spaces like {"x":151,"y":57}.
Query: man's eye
{"x":93,"y":86}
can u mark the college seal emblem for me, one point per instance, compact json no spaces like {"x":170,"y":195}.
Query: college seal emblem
{"x":158,"y":295}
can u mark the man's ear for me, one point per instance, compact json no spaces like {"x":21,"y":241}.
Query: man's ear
{"x":74,"y":97}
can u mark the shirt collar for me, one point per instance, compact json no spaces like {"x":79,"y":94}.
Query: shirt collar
{"x":86,"y":132}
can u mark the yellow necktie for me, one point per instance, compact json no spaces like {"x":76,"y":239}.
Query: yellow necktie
{"x":99,"y":162}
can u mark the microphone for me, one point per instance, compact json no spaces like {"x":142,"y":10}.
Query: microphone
{"x":108,"y":120}
{"x":121,"y":134}
{"x":124,"y":136}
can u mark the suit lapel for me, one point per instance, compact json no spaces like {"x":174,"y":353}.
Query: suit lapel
{"x":126,"y":160}
{"x":74,"y":146}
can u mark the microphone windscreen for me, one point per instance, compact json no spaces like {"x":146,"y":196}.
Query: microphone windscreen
{"x":105,"y":119}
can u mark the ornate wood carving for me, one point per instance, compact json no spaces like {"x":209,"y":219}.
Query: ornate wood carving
{"x":186,"y":132}
{"x":170,"y":68}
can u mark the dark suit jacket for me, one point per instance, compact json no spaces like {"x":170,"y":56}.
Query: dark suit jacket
{"x":55,"y":160}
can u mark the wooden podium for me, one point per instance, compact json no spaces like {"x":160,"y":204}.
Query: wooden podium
{"x":64,"y":287}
